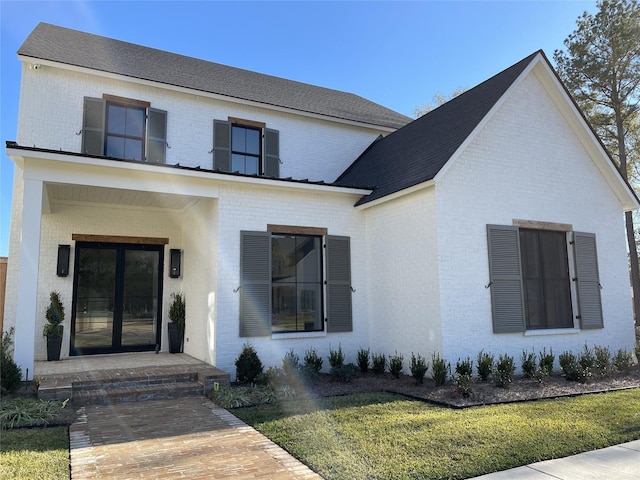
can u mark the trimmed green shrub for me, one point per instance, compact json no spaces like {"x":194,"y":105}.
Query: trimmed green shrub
{"x":603,"y":364}
{"x":571,"y":368}
{"x":529,"y":364}
{"x":504,"y":369}
{"x":623,"y":360}
{"x":485,"y":365}
{"x":439,"y":369}
{"x":395,"y":364}
{"x":464,"y":385}
{"x":55,"y":316}
{"x":418,"y":367}
{"x":10,"y":372}
{"x":336,"y":357}
{"x":291,"y":363}
{"x":464,"y":367}
{"x":248,"y":365}
{"x":363,"y":359}
{"x":313,"y":361}
{"x":463,"y":377}
{"x":378,"y":363}
{"x":587,"y":361}
{"x":546,"y":360}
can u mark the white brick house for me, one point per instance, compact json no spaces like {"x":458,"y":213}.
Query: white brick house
{"x":305,"y":217}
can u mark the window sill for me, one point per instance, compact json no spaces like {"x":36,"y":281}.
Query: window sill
{"x":551,"y":331}
{"x":288,"y":335}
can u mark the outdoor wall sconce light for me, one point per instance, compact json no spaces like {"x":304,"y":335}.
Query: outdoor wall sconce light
{"x":175,"y":258}
{"x":64,"y":252}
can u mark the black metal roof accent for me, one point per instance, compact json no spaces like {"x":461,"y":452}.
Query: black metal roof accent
{"x":177,"y":166}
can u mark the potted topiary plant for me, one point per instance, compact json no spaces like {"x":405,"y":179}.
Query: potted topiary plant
{"x":53,"y":328}
{"x":176,"y":324}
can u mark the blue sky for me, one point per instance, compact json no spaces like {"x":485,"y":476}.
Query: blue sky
{"x":398,"y":54}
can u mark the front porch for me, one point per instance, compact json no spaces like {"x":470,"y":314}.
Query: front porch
{"x":126,"y":377}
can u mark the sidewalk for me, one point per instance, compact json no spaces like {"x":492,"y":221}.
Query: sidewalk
{"x":620,"y":462}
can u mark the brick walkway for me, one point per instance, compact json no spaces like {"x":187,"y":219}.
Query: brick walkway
{"x":184,"y":438}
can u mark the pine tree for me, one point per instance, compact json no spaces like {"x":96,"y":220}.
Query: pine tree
{"x":601,"y":69}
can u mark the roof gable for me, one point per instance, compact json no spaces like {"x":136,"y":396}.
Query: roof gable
{"x":79,"y":49}
{"x":417,"y":152}
{"x":423,"y":150}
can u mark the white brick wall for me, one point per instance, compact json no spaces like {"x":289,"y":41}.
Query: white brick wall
{"x":402,"y":256}
{"x":51,"y":104}
{"x":67,"y":219}
{"x":525,"y":164}
{"x":241,"y":209}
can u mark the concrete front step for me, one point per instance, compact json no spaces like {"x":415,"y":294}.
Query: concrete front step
{"x":132,"y":385}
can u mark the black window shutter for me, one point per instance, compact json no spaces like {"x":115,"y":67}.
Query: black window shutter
{"x":339,"y":315}
{"x":156,"y":136}
{"x":587,"y":280}
{"x":505,"y":277}
{"x":93,"y":126}
{"x":222,"y":145}
{"x":255,"y":284}
{"x":272,"y":153}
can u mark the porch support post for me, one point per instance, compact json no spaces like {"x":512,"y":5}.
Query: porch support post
{"x":27,"y":304}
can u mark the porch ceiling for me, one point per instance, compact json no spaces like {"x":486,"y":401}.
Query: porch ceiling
{"x":59,"y":193}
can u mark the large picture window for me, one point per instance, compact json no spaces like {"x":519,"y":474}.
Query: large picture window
{"x":296,"y":283}
{"x":532,"y":279}
{"x":282,"y":286}
{"x":124,"y":128}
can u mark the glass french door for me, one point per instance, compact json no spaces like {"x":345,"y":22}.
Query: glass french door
{"x":116,"y":298}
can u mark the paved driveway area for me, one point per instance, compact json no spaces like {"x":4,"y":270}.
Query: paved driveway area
{"x":184,"y":438}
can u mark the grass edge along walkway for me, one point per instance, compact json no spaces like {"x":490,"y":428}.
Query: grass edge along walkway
{"x":387,"y":436}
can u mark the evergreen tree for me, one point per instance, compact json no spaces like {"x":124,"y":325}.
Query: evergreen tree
{"x":601,"y":69}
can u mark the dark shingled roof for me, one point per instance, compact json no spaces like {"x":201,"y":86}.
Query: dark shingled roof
{"x":71,"y":47}
{"x":415,"y":153}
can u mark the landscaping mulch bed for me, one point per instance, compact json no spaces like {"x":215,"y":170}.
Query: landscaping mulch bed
{"x":484,"y":393}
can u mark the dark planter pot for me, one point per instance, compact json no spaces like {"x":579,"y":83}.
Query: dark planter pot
{"x":54,"y":344}
{"x":175,"y":339}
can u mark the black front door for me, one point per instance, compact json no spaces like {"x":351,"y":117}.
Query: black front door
{"x":116,"y":298}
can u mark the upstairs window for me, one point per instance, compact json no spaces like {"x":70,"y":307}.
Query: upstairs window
{"x":125,"y":131}
{"x":124,"y":128}
{"x":245,"y":150}
{"x":245,"y":146}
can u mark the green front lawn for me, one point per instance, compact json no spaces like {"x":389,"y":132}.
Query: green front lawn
{"x":386,"y":436}
{"x":34,"y":453}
